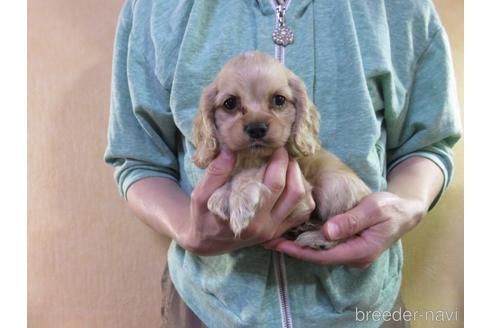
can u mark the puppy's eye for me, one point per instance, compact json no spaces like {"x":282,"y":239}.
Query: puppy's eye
{"x":230,"y":103}
{"x":278,"y":100}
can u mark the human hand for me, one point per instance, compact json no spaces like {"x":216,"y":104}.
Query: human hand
{"x":209,"y":235}
{"x":365,"y":231}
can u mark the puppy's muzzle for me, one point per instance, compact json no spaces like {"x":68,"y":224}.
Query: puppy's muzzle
{"x":256,"y":130}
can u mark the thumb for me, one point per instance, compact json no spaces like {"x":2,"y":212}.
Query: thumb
{"x":218,"y":172}
{"x":350,"y":223}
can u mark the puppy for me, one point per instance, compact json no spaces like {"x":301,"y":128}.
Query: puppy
{"x":254,"y":106}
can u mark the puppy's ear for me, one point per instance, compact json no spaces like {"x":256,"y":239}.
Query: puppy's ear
{"x":304,"y":139}
{"x":204,"y":131}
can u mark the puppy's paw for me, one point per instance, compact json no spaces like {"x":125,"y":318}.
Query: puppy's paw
{"x":243,"y":211}
{"x":241,"y":217}
{"x":244,"y":205}
{"x":315,"y":240}
{"x":218,"y":203}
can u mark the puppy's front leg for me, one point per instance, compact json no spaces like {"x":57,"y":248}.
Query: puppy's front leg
{"x":246,"y":196}
{"x":218,"y":203}
{"x":244,"y":202}
{"x":238,"y":204}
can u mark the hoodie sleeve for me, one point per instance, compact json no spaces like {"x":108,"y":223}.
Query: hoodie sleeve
{"x":429,"y":125}
{"x":142,"y":136}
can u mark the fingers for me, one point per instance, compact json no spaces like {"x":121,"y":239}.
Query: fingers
{"x":273,"y":243}
{"x":354,"y":221}
{"x":293,"y":193}
{"x":217,"y":174}
{"x":275,"y":175}
{"x":356,"y":252}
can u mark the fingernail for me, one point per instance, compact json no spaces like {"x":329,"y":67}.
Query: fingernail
{"x":333,"y":231}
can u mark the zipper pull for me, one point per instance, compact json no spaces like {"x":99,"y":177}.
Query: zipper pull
{"x":282,"y":35}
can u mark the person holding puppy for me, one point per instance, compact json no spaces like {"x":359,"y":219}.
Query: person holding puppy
{"x":381,"y":78}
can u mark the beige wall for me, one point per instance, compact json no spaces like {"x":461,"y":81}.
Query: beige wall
{"x":433,"y":271}
{"x":90,"y":263}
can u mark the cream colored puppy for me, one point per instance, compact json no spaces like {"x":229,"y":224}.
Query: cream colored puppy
{"x":254,"y":106}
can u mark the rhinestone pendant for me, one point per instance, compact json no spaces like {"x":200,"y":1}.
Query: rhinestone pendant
{"x":283,"y":36}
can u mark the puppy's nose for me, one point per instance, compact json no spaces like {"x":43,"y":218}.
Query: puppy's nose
{"x":256,"y":130}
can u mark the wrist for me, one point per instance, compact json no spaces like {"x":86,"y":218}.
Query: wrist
{"x":186,"y":234}
{"x":415,"y":208}
{"x":195,"y":239}
{"x":416,"y":179}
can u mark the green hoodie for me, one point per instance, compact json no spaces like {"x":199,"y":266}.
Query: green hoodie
{"x":381,"y":76}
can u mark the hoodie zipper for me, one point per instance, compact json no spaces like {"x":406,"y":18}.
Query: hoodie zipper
{"x":282,"y":37}
{"x":283,"y":296}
